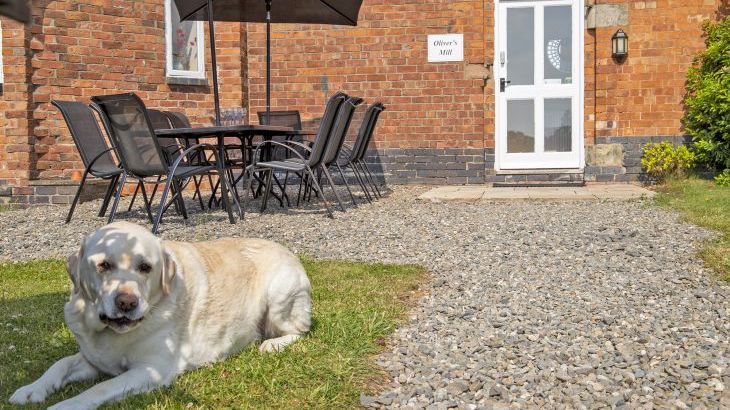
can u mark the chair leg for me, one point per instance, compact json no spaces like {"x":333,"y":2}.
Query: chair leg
{"x":319,"y":191}
{"x":134,"y":197}
{"x":247,"y":184}
{"x":147,"y":203}
{"x":108,"y":195}
{"x":118,"y":196}
{"x":332,"y":184}
{"x":370,"y":177}
{"x":77,"y":196}
{"x":267,"y":189}
{"x":283,"y":192}
{"x":301,"y":183}
{"x":286,"y":180}
{"x":214,"y":189}
{"x":180,"y":200}
{"x":197,"y":193}
{"x":154,"y":189}
{"x":161,"y":207}
{"x":342,"y":174}
{"x":362,"y":183}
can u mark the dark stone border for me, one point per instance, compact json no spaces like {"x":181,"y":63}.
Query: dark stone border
{"x":451,"y":166}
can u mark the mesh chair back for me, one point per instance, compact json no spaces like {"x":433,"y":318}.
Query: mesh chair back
{"x":87,"y":136}
{"x":132,"y":133}
{"x":281,"y":119}
{"x":339,"y":130}
{"x":325,"y":128}
{"x":178,"y":119}
{"x":358,"y":152}
{"x":159,"y":120}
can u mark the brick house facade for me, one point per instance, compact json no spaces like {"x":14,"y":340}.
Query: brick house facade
{"x":440,"y":125}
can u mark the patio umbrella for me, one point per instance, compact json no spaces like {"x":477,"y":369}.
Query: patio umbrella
{"x":341,"y":12}
{"x":15,"y":9}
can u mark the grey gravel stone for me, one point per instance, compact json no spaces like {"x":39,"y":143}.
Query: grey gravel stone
{"x":532,"y":304}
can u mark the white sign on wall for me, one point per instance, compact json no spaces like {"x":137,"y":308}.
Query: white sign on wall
{"x":445,"y":47}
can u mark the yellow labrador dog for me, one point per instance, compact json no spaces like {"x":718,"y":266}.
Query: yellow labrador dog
{"x":145,"y":310}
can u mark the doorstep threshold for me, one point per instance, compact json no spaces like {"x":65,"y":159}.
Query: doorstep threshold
{"x":539,"y":171}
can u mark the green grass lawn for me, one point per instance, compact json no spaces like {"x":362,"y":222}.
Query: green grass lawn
{"x":355,"y":306}
{"x":705,"y":204}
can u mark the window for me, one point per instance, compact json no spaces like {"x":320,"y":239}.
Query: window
{"x":184,"y":45}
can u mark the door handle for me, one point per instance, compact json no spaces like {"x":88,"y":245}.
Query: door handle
{"x":503,"y":84}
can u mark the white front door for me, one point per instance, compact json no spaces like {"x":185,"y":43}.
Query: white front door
{"x":539,"y":84}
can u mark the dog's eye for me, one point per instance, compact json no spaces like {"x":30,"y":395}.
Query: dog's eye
{"x":144,"y":267}
{"x":104,"y":266}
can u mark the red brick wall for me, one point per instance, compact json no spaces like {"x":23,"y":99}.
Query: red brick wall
{"x":643,"y":96}
{"x":14,"y":115}
{"x":384,"y":58}
{"x":432,"y":105}
{"x":77,"y":49}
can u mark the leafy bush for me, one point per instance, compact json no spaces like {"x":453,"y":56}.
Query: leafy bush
{"x":723,"y":179}
{"x":662,"y":160}
{"x":707,"y":103}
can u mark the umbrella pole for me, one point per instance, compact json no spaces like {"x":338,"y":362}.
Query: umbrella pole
{"x":216,"y":97}
{"x":268,"y":61}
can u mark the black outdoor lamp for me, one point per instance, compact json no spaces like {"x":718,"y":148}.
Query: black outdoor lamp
{"x":620,"y":44}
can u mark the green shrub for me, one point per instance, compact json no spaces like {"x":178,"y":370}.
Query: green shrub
{"x":662,"y":160}
{"x":707,"y":102}
{"x":724,"y":178}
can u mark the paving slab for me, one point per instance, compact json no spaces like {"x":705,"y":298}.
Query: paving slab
{"x":476,"y":193}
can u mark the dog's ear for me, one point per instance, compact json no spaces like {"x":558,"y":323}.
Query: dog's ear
{"x":169,"y":269}
{"x":72,"y":267}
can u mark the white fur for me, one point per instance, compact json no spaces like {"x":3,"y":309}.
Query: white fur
{"x":200,"y":303}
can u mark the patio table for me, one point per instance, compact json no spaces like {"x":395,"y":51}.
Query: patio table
{"x":244,"y":132}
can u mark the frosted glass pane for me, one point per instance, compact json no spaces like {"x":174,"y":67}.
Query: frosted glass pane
{"x":521,"y":46}
{"x":558,"y":125}
{"x":520,"y":126}
{"x":558,"y":45}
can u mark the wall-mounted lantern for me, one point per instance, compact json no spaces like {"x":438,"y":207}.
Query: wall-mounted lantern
{"x":620,"y":44}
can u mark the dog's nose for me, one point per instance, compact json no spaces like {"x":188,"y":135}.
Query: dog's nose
{"x":126,"y":302}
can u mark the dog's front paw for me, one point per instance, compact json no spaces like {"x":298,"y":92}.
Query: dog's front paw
{"x":28,"y":394}
{"x":269,"y":346}
{"x":71,"y":404}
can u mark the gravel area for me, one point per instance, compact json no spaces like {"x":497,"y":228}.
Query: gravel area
{"x":532,"y":304}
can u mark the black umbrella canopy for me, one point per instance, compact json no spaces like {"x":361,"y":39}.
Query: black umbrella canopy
{"x":339,"y":12}
{"x":335,"y":12}
{"x":15,"y":9}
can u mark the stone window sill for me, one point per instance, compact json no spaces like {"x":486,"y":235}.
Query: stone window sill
{"x":186,"y":81}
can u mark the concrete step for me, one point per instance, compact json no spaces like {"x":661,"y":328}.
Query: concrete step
{"x":534,"y":184}
{"x":535,"y":178}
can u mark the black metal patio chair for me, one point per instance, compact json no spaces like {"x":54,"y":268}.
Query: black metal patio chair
{"x":95,"y":153}
{"x":180,"y":120}
{"x":337,"y":139}
{"x":159,"y":121}
{"x":354,"y":157}
{"x":299,"y":164}
{"x":290,"y":118}
{"x":141,"y":155}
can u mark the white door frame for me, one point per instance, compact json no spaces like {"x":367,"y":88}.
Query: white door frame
{"x":576,"y":158}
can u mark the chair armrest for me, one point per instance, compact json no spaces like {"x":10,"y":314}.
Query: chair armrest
{"x":194,"y":148}
{"x":96,"y":158}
